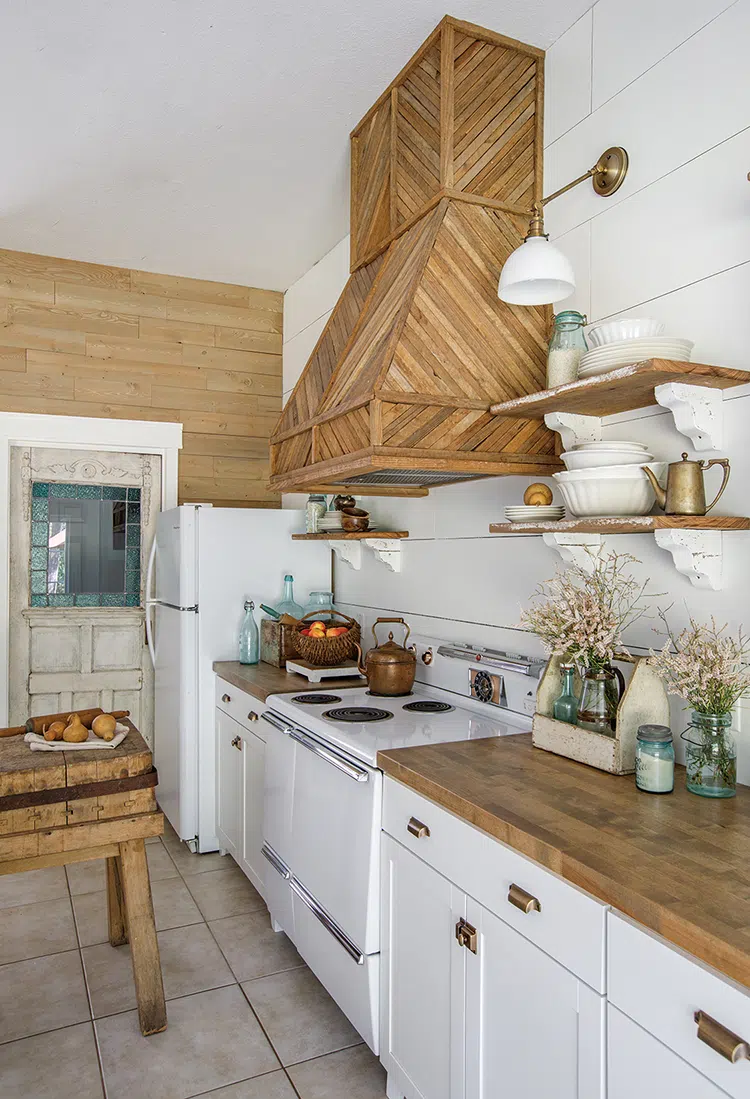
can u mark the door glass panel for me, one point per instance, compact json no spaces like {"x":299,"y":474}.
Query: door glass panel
{"x":85,"y":545}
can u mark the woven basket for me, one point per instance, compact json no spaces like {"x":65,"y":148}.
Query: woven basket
{"x":326,"y":652}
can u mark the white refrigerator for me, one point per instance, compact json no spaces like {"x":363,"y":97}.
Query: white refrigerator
{"x":204,"y":563}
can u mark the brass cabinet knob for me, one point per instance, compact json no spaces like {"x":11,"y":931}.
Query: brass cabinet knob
{"x":724,"y":1042}
{"x":252,"y":716}
{"x":523,"y":900}
{"x":226,"y":698}
{"x":421,"y":831}
{"x":237,"y":743}
{"x":466,"y":935}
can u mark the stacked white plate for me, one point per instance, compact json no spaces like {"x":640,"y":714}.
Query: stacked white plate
{"x":600,"y":360}
{"x":528,"y":513}
{"x":329,"y":522}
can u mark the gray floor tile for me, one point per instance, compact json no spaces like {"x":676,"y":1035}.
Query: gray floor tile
{"x":299,"y":1016}
{"x":274,"y":1085}
{"x":212,"y":1039}
{"x":42,"y":994}
{"x":349,"y":1074}
{"x":34,"y":885}
{"x":190,"y":962}
{"x":59,"y":1065}
{"x":223,"y":893}
{"x":173,"y":907}
{"x":188,"y":863}
{"x":89,"y":877}
{"x":252,"y":947}
{"x":34,"y":930}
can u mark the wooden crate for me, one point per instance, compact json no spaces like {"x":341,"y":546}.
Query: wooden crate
{"x":644,"y":702}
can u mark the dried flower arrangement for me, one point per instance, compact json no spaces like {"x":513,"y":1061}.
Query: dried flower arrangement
{"x":705,"y":666}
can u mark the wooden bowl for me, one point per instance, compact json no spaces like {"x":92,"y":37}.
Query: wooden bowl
{"x":355,"y":519}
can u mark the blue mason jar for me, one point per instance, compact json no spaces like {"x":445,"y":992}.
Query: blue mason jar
{"x":654,"y":759}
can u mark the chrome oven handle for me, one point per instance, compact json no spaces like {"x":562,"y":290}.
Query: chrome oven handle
{"x":359,"y":774}
{"x":280,"y":867}
{"x":277,"y":723}
{"x":330,"y":925}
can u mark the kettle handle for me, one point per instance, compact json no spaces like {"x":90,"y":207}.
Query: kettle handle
{"x":717,"y":462}
{"x":361,"y":667}
{"x":399,"y":620}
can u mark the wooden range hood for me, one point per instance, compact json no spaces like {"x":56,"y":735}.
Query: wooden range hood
{"x":395,"y":397}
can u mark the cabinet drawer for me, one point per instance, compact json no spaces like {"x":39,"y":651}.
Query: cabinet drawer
{"x":661,"y":988}
{"x":240,"y":706}
{"x":569,"y":924}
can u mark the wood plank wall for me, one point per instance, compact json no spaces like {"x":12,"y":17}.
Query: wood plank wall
{"x":83,"y":339}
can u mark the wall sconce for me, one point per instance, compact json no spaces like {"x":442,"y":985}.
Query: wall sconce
{"x":537,"y":273}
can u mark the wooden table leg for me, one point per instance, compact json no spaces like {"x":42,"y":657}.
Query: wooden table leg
{"x":118,"y":928}
{"x":144,"y":948}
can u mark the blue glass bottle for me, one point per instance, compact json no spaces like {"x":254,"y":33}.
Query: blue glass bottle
{"x":565,"y":706}
{"x":288,"y":604}
{"x":249,"y":636}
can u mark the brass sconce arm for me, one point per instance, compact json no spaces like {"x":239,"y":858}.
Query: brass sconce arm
{"x":607,"y":176}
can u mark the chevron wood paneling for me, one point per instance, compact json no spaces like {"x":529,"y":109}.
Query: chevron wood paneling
{"x":371,"y":182}
{"x":443,"y":429}
{"x":344,"y":435}
{"x":418,"y":136}
{"x":292,"y":453}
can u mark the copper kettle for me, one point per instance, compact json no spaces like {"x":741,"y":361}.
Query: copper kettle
{"x":685,"y":493}
{"x":390,"y":668}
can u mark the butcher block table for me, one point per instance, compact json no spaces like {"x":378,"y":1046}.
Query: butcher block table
{"x":72,"y":806}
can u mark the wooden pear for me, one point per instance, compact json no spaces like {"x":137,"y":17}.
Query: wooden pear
{"x":104,"y":726}
{"x":75,"y":732}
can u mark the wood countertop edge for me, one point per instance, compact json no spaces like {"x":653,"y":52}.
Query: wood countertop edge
{"x":286,"y":682}
{"x":697,"y":941}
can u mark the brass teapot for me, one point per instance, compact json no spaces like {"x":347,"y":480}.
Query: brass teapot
{"x":685,"y":493}
{"x":390,"y":668}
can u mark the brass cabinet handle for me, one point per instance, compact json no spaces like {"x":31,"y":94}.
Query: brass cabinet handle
{"x":723,"y":1041}
{"x":237,"y":743}
{"x":252,"y":716}
{"x":523,"y":900}
{"x":226,"y":698}
{"x":421,"y":831}
{"x":466,"y":935}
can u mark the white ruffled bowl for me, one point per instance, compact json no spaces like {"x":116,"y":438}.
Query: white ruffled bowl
{"x":627,"y":328}
{"x":613,"y":490}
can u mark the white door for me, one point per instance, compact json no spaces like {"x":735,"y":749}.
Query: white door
{"x":532,"y":1028}
{"x":640,"y":1067}
{"x":253,"y":770}
{"x":229,"y":752}
{"x":422,"y":973}
{"x":76,"y":603}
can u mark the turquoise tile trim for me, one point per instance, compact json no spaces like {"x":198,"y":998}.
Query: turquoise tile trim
{"x":133,"y":580}
{"x":62,"y":600}
{"x":39,"y":534}
{"x":134,"y":512}
{"x":39,"y":582}
{"x":39,"y":509}
{"x":132,"y":558}
{"x":65,"y":491}
{"x":133,"y":535}
{"x":132,"y":599}
{"x":40,"y":488}
{"x":39,"y":600}
{"x":89,"y":492}
{"x":113,"y":492}
{"x":87,"y":599}
{"x":39,"y":557}
{"x":113,"y":599}
{"x":134,"y":494}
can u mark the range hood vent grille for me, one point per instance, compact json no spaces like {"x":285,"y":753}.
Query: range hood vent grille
{"x":420,"y":477}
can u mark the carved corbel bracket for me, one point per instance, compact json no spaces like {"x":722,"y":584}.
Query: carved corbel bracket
{"x":348,"y":552}
{"x":575,"y":549}
{"x":573,"y":428}
{"x":697,"y":410}
{"x":697,"y":554}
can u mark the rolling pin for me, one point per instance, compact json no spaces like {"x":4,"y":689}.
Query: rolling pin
{"x":36,"y":724}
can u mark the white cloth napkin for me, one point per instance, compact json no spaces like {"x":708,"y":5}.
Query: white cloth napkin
{"x":37,"y":743}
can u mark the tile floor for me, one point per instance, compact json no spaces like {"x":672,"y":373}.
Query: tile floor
{"x":247,"y":1018}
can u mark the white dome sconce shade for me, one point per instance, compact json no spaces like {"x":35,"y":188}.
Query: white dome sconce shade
{"x":537,"y":273}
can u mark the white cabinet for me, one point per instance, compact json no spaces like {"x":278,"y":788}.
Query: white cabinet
{"x":472,"y":1009}
{"x":240,"y":768}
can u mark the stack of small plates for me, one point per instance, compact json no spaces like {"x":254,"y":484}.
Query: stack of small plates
{"x":526,"y":513}
{"x":329,"y":522}
{"x":601,"y":360}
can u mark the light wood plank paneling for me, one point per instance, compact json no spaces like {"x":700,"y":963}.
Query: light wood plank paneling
{"x":85,"y":339}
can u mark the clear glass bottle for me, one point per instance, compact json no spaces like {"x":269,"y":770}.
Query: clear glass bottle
{"x":318,"y":602}
{"x":288,"y":604}
{"x":601,"y":693}
{"x":249,"y":636}
{"x":711,"y":756}
{"x":565,"y":706}
{"x":315,"y":509}
{"x":566,"y":348}
{"x":654,"y":759}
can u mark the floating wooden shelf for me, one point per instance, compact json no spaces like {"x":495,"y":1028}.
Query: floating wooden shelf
{"x":385,"y":544}
{"x":620,"y":390}
{"x":631,"y":524}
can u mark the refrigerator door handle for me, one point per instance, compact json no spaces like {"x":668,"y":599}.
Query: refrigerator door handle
{"x":328,"y":923}
{"x":150,"y":602}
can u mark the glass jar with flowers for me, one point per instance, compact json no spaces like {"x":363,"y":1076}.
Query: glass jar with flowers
{"x":580,"y":616}
{"x":707,"y":667}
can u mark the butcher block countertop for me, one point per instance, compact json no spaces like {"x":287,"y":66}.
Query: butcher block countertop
{"x":262,"y":680}
{"x":677,"y":863}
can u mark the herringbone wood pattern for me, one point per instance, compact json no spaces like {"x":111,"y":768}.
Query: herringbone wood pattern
{"x":418,"y":136}
{"x":371,"y":182}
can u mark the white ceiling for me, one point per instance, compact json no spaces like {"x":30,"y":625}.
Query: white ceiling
{"x":203,"y":137}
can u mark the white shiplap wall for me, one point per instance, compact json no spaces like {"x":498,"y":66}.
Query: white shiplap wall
{"x":669,"y":81}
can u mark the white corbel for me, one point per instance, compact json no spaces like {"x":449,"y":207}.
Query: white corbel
{"x":387,"y":550}
{"x":350,"y":552}
{"x":575,"y":548}
{"x":697,"y":410}
{"x":697,"y":554}
{"x":574,"y":428}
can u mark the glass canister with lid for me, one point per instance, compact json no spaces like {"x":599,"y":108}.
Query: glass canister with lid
{"x":566,"y":348}
{"x":654,"y":759}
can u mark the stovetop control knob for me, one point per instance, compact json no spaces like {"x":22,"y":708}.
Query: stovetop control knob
{"x":427,"y":657}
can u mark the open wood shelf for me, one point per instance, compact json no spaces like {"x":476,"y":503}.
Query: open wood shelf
{"x":620,"y":390}
{"x":630,"y":524}
{"x":353,"y":536}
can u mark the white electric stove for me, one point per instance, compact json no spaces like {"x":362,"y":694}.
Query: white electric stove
{"x":323,"y":800}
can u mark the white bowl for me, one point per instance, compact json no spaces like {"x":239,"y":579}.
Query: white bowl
{"x":627,"y":328}
{"x":613,"y":490}
{"x":611,"y":444}
{"x":596,"y":459}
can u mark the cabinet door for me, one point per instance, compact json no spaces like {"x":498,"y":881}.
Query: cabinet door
{"x":253,"y":766}
{"x":639,"y":1065}
{"x":532,"y":1028}
{"x":228,"y":781}
{"x":422,"y":975}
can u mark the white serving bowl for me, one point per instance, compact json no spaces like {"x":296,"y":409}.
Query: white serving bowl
{"x":627,"y":328}
{"x":613,"y":490}
{"x":596,"y":459}
{"x":610,"y":444}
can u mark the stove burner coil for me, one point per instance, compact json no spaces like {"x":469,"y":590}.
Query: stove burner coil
{"x":428,"y":706}
{"x":317,"y":699}
{"x":357,"y":714}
